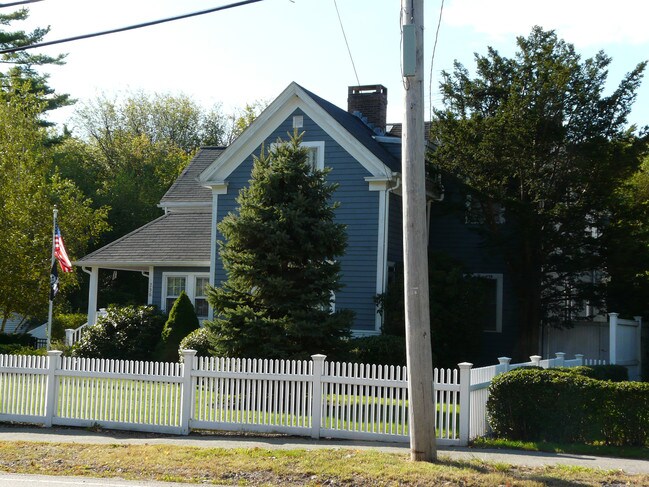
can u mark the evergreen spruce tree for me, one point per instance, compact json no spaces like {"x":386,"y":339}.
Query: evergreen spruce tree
{"x":280,"y":253}
{"x":182,"y":321}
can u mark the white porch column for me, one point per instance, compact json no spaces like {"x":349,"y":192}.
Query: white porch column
{"x":92,"y":294}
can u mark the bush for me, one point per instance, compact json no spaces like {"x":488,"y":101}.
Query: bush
{"x":182,"y":321}
{"x":131,"y":332}
{"x":615,"y":373}
{"x":457,"y":303}
{"x":63,"y":321}
{"x":17,"y":349}
{"x":554,"y":405}
{"x":380,"y":349}
{"x":199,"y":340}
{"x":17,"y":339}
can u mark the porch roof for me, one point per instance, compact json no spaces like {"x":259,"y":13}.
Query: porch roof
{"x":174,"y":239}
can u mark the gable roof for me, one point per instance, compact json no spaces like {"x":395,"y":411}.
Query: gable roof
{"x":186,"y":188}
{"x":346,"y":129}
{"x":174,"y":239}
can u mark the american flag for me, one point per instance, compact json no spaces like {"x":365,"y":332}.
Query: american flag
{"x":60,"y":253}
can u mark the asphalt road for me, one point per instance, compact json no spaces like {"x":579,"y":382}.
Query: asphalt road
{"x":15,"y":480}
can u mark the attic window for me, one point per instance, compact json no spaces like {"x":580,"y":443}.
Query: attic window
{"x":298,"y":121}
{"x":315,"y":154}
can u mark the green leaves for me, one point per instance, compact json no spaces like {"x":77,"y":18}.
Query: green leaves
{"x":537,"y":134}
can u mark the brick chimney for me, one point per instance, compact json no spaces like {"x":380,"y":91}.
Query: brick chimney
{"x":371,"y":101}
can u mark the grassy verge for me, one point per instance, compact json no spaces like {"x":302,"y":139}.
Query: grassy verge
{"x":578,"y":449}
{"x":256,"y":467}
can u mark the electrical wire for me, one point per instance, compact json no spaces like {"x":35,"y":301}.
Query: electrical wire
{"x":347,"y":43}
{"x":22,"y":2}
{"x":130,"y":27}
{"x":432,"y":63}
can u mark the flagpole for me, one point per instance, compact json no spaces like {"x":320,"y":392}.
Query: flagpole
{"x":49,"y":314}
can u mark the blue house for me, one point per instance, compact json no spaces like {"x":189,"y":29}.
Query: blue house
{"x":179,"y":250}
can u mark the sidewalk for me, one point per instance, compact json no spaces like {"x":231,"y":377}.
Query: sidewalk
{"x":512,"y":457}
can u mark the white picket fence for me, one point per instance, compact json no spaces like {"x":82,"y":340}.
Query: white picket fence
{"x":308,"y":398}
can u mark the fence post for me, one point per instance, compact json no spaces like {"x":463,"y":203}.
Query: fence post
{"x":186,"y":390}
{"x":52,"y":390}
{"x":560,"y":360}
{"x":465,"y":402}
{"x":316,"y":399}
{"x":503,"y":365}
{"x":612,"y":338}
{"x":69,"y":332}
{"x":580,"y":358}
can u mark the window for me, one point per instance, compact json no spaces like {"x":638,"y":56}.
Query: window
{"x":195,"y":285}
{"x":492,"y":285}
{"x":315,"y":155}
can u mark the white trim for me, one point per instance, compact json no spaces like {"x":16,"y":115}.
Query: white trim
{"x":216,"y":190}
{"x":150,"y":286}
{"x":499,"y":298}
{"x":290,"y":100}
{"x":142,"y":266}
{"x":382,"y":251}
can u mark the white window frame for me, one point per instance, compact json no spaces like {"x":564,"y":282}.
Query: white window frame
{"x":190,"y":287}
{"x":499,"y":298}
{"x":319,"y":148}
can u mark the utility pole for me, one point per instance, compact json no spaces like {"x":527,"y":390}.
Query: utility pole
{"x":421,"y":405}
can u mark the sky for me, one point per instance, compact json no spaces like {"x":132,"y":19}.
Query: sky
{"x":254,"y":52}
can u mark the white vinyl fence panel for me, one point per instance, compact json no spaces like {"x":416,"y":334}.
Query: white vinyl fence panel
{"x":310,"y":398}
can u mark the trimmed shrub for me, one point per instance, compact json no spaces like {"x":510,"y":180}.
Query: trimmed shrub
{"x":615,"y":373}
{"x":555,"y":405}
{"x":181,"y":322}
{"x":131,"y":332}
{"x":625,"y":413}
{"x":199,"y":340}
{"x":380,"y":349}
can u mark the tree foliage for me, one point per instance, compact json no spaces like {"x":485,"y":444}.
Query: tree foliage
{"x":457,"y":303}
{"x":537,"y":134}
{"x":23,"y":75}
{"x":30,"y":187}
{"x":181,"y":322}
{"x":279,"y":251}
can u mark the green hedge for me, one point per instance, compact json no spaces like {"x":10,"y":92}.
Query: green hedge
{"x":615,"y":373}
{"x":554,"y":405}
{"x":379,"y":349}
{"x":17,"y":339}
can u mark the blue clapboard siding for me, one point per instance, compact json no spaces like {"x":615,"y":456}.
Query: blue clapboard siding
{"x":450,"y":234}
{"x":157,"y":279}
{"x":358,"y":210}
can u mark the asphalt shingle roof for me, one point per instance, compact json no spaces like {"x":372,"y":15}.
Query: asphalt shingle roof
{"x":186,"y":189}
{"x":173,"y":239}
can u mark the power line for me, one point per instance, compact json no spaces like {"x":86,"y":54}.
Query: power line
{"x":347,"y":43}
{"x":432,"y":62}
{"x":22,"y":2}
{"x":130,"y":27}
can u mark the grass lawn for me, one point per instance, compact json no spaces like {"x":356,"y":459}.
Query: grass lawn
{"x":636,"y":452}
{"x":256,"y":467}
